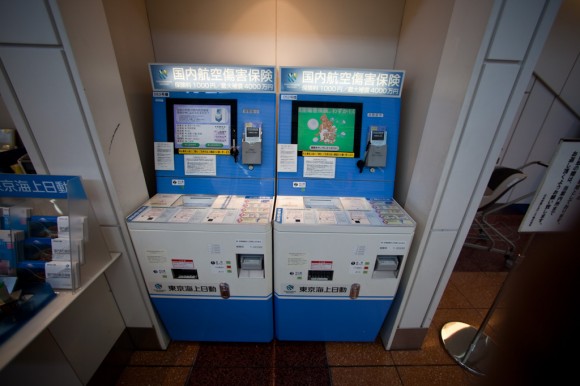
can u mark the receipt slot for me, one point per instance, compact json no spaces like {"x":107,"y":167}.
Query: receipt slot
{"x":252,"y":144}
{"x":251,"y":266}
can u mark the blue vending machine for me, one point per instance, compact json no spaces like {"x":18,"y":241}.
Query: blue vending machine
{"x":340,"y":240}
{"x":204,"y":241}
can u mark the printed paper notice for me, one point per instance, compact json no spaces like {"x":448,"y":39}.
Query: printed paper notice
{"x":199,"y":165}
{"x":556,"y":204}
{"x":287,"y":158}
{"x":150,"y":215}
{"x":319,"y":167}
{"x":156,"y":256}
{"x":183,"y":215}
{"x":163,"y":152}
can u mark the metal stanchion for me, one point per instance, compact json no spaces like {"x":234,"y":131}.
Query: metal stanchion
{"x":470,"y":347}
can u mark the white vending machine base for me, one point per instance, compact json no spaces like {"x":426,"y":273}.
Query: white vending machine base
{"x":337,"y":266}
{"x":207,"y":264}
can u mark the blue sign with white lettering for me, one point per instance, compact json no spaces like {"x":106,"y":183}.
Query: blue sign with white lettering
{"x":207,"y":77}
{"x":41,"y":186}
{"x":337,"y":81}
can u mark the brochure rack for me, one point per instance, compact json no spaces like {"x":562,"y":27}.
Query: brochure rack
{"x":49,"y":195}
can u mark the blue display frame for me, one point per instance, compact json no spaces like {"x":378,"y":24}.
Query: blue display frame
{"x":378,"y":183}
{"x":253,"y":89}
{"x":231,"y":177}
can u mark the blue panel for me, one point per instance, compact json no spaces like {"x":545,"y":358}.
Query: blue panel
{"x":329,"y":320}
{"x":219,"y":320}
{"x":41,"y":295}
{"x":376,"y":112}
{"x":41,"y":186}
{"x":321,"y":187}
{"x":209,"y":77}
{"x":200,"y":185}
{"x":343,"y":81}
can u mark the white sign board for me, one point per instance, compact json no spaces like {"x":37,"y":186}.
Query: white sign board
{"x":556,"y":205}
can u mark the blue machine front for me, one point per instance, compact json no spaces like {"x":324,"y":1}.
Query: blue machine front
{"x":218,"y":320}
{"x":375,"y":183}
{"x":356,"y":320}
{"x":231,"y":175}
{"x":193,"y":143}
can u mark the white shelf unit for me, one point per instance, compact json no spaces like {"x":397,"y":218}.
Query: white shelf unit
{"x":52,"y":196}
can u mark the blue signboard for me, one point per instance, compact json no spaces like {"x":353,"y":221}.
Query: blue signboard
{"x":40,"y":186}
{"x":207,"y":77}
{"x":337,"y":81}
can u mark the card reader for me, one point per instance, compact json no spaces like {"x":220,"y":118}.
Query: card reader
{"x":376,"y":156}
{"x":252,"y":143}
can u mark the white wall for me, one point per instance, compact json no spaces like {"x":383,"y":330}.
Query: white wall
{"x":338,"y":33}
{"x":430,"y":118}
{"x":422,"y":38}
{"x":114,"y":144}
{"x":551,"y":109}
{"x":131,"y":38}
{"x":213,"y":31}
{"x":331,"y":33}
{"x":5,"y":119}
{"x":512,"y":38}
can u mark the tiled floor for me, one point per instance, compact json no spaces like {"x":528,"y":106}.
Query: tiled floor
{"x":471,"y":290}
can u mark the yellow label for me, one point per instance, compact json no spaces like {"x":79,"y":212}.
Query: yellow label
{"x":204,"y":151}
{"x":327,"y":154}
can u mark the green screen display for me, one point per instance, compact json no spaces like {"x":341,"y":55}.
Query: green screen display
{"x":326,"y":129}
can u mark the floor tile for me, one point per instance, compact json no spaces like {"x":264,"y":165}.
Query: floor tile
{"x":231,"y":376}
{"x":357,"y":354}
{"x":365,"y":376}
{"x":153,"y":376}
{"x":479,"y":289}
{"x":302,"y":376}
{"x":476,"y":260}
{"x":300,"y":354}
{"x":453,"y":298}
{"x":436,"y":376}
{"x":235,"y":355}
{"x":176,"y":354}
{"x":497,"y":317}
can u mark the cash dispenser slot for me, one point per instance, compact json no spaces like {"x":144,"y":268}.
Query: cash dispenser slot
{"x":184,"y":274}
{"x":387,"y":266}
{"x":320,"y":275}
{"x":250,"y":266}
